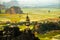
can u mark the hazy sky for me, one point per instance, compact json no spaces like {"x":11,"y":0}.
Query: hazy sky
{"x":36,"y":2}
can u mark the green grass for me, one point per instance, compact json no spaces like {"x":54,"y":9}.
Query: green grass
{"x":35,"y":14}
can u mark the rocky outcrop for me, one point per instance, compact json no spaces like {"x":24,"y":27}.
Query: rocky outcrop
{"x":14,"y":10}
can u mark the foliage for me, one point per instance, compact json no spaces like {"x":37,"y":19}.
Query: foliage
{"x":45,"y":27}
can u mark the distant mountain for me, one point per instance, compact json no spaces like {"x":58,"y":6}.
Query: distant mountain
{"x":39,"y":6}
{"x":11,"y":3}
{"x":16,"y":3}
